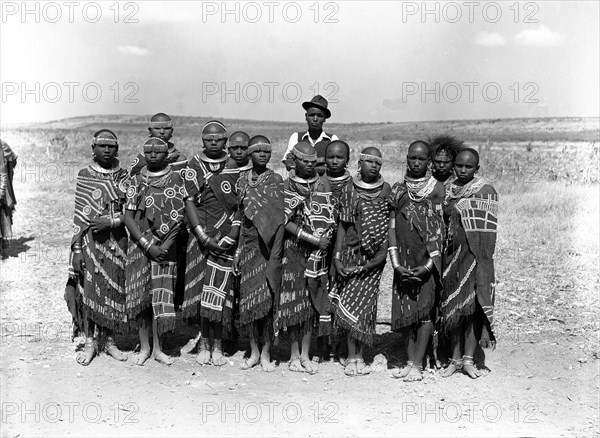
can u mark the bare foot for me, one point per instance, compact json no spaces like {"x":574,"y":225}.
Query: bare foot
{"x":203,"y":357}
{"x":470,"y":370}
{"x":266,"y":364}
{"x":362,"y":369}
{"x":350,"y":368}
{"x":141,"y":358}
{"x":86,"y":356}
{"x":401,"y":373}
{"x":115,"y":353}
{"x":248,"y":363}
{"x":217,"y":358}
{"x":163,"y":358}
{"x":455,"y":366}
{"x":295,"y":365}
{"x":414,"y":375}
{"x":309,"y":366}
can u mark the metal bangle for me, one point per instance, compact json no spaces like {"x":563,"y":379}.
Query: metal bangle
{"x":201,"y":234}
{"x":144,"y":244}
{"x":337,"y":256}
{"x":429,"y":265}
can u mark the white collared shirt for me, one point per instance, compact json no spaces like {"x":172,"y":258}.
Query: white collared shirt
{"x":294,"y":141}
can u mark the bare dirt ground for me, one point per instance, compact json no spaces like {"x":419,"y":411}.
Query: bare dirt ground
{"x":544,"y":376}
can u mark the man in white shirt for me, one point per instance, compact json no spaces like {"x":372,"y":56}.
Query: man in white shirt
{"x":315,"y":116}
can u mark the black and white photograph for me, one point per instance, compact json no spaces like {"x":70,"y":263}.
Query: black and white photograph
{"x":303,"y":218}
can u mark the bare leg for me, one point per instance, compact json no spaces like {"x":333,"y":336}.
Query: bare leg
{"x":422,"y":339}
{"x":203,"y":357}
{"x":254,"y":354}
{"x":456,"y":362}
{"x":309,"y":366}
{"x":144,"y":332}
{"x":262,"y":327}
{"x":90,"y":349}
{"x":217,"y":358}
{"x":401,"y":373}
{"x":265,"y":358}
{"x":350,"y":368}
{"x":111,"y":348}
{"x":295,"y":364}
{"x":470,"y":345}
{"x":361,"y":368}
{"x":157,"y":352}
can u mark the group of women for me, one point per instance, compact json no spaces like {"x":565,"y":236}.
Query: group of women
{"x":235,"y":247}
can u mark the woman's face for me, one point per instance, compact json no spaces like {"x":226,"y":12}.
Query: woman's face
{"x":214,"y":139}
{"x":260,"y":158}
{"x":155,"y":160}
{"x":417,"y":160}
{"x":465,"y":167}
{"x":105,"y":154}
{"x":336,"y":159}
{"x":369,"y":169}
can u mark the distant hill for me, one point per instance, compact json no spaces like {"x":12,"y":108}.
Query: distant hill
{"x":496,"y":130}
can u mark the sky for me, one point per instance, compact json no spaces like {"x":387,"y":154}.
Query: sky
{"x":390,"y":61}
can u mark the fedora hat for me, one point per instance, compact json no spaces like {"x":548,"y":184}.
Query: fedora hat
{"x":318,"y":102}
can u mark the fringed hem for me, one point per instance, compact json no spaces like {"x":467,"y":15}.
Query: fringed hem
{"x":211,"y":314}
{"x":117,"y":326}
{"x":415,"y":317}
{"x":296,"y":319}
{"x":140,"y":308}
{"x":165,"y":324}
{"x":261,"y":330}
{"x":466,"y":314}
{"x":256,"y":313}
{"x":191,"y":313}
{"x":364,"y":331}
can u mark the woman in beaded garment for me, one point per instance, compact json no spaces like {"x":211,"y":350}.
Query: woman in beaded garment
{"x":467,"y":303}
{"x":260,"y":251}
{"x":154,"y":217}
{"x":211,"y":205}
{"x":95,"y":292}
{"x":415,"y":247}
{"x":310,"y":219}
{"x":360,"y":253}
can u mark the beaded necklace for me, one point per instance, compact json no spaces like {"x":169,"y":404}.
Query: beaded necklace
{"x":465,"y":191}
{"x":419,"y":188}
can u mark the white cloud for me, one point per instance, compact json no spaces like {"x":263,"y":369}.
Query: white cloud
{"x":133,"y":51}
{"x":540,"y":37}
{"x":489,"y":39}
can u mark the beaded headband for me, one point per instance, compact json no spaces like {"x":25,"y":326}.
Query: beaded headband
{"x":216,"y":137}
{"x":243,"y":143}
{"x":161,"y":124}
{"x":214,"y":122}
{"x":158,"y":148}
{"x":369,"y":157}
{"x":303,"y":156}
{"x":105,"y":141}
{"x":260,"y":147}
